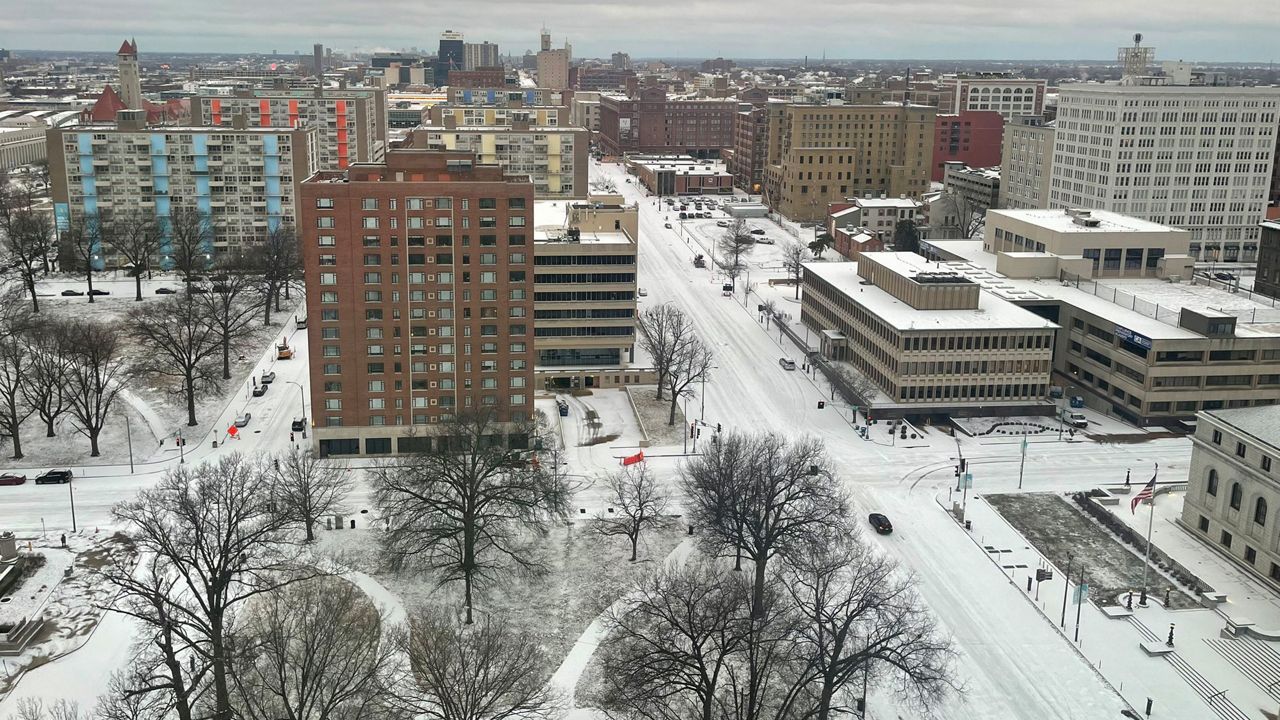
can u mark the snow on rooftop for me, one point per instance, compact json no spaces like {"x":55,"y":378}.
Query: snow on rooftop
{"x":992,"y":312}
{"x":1262,"y":422}
{"x":1061,"y":221}
{"x":887,"y":202}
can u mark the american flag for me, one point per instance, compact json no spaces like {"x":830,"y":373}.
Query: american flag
{"x":1146,"y":493}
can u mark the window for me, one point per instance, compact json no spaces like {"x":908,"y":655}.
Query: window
{"x":328,"y":278}
{"x":328,"y":296}
{"x":377,"y":350}
{"x":324,"y":222}
{"x":329,"y":333}
{"x":377,"y":404}
{"x":515,"y":203}
{"x":1240,"y":449}
{"x":330,"y":351}
{"x":333,"y":404}
{"x":1250,"y":555}
{"x":515,"y":221}
{"x":324,"y":202}
{"x":1260,"y":511}
{"x":1211,"y":484}
{"x":1226,"y":538}
{"x":1203,"y":524}
{"x":1217,"y":437}
{"x":373,"y":333}
{"x":370,"y":223}
{"x":487,"y":203}
{"x":377,"y":386}
{"x":328,"y":315}
{"x":369,"y":204}
{"x":1235,"y":496}
{"x":372,"y":278}
{"x":376,"y":368}
{"x":332,"y":369}
{"x":328,"y":240}
{"x":1266,"y":463}
{"x":414,"y":203}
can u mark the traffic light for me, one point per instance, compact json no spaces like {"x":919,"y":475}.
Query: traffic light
{"x":964,"y":464}
{"x":821,"y":404}
{"x":693,"y":429}
{"x":717,"y":427}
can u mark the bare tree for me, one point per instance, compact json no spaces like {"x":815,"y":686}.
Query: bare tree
{"x":459,"y":671}
{"x":312,"y":649}
{"x":464,"y":505}
{"x":80,"y":246}
{"x":187,"y":236}
{"x":735,"y":245}
{"x":95,"y":375}
{"x":669,"y":653}
{"x":764,"y":495}
{"x":854,"y":386}
{"x":963,"y":214}
{"x":135,"y":236}
{"x":307,"y":489}
{"x":276,"y":262}
{"x":691,"y":364}
{"x":46,"y":386}
{"x":639,"y":503}
{"x":61,"y":709}
{"x":211,"y":529}
{"x":26,"y":239}
{"x":794,"y":255}
{"x":15,"y":369}
{"x":862,"y":622}
{"x":169,"y":671}
{"x":665,"y":330}
{"x":230,"y":308}
{"x":182,"y":344}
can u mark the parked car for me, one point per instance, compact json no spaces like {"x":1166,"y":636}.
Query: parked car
{"x":787,"y":363}
{"x":298,"y":424}
{"x":1224,"y":276}
{"x":764,"y":240}
{"x":757,"y":231}
{"x":96,"y":291}
{"x":8,"y":479}
{"x":642,"y":292}
{"x":880,"y":523}
{"x":562,"y":407}
{"x":54,"y":477}
{"x":726,"y":290}
{"x":1074,"y":418}
{"x":300,"y":321}
{"x":72,"y":293}
{"x":242,"y":420}
{"x":268,"y":378}
{"x":722,"y":223}
{"x":667,"y":225}
{"x":683,"y":216}
{"x":165,"y":291}
{"x":260,"y":390}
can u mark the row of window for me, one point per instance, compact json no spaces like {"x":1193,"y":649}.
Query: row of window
{"x":422,"y":366}
{"x":373,"y":222}
{"x":417,"y":203}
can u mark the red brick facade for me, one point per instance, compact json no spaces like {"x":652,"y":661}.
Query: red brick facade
{"x":973,"y":137}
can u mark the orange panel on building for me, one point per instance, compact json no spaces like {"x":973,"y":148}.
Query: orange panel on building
{"x":264,"y":113}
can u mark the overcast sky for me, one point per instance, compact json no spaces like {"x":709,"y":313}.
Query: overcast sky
{"x":1235,"y":30}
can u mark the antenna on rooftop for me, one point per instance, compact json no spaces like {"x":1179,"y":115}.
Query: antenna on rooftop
{"x":1135,"y":60}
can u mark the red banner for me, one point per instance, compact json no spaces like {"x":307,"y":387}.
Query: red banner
{"x":633,"y":459}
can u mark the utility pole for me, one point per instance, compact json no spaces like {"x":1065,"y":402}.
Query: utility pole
{"x":72,"y":494}
{"x":128,"y":435}
{"x":1081,"y":590}
{"x":1023,"y":462}
{"x":1066,"y":585}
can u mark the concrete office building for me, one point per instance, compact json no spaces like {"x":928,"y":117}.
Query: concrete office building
{"x":584,"y":111}
{"x":451,"y":54}
{"x":505,"y":96}
{"x":22,"y":141}
{"x":1199,"y":158}
{"x":420,"y":295}
{"x":585,"y":292}
{"x":818,"y":155}
{"x":481,"y":55}
{"x":654,"y":123}
{"x":594,"y":78}
{"x":1143,"y":340}
{"x":971,"y":138}
{"x":1026,"y":163}
{"x":350,"y":123}
{"x":495,"y":115}
{"x":998,"y":92}
{"x":680,"y":175}
{"x":553,"y":157}
{"x":245,"y":179}
{"x":1232,"y":503}
{"x":980,"y":186}
{"x":1267,"y":279}
{"x":932,"y":341}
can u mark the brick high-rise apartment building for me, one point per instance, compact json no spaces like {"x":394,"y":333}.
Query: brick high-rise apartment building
{"x":420,"y":294}
{"x":654,"y":123}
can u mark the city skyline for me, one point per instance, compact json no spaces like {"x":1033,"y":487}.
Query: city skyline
{"x":987,"y":31}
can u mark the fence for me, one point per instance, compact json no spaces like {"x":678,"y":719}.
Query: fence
{"x":1171,"y":315}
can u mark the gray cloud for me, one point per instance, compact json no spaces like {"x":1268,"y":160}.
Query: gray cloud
{"x":1244,"y":30}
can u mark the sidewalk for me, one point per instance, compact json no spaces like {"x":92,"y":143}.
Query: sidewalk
{"x":1179,"y":683}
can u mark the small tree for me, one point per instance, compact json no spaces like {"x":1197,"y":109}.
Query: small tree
{"x":230,"y":310}
{"x":735,"y":245}
{"x":906,"y":236}
{"x":81,"y":244}
{"x":464,"y":505}
{"x":276,"y":261}
{"x":794,"y":255}
{"x":135,"y":236}
{"x":638,"y":501}
{"x":187,"y":239}
{"x":95,"y":374}
{"x":46,"y":388}
{"x":664,"y":330}
{"x":307,"y":489}
{"x":26,"y":238}
{"x":691,"y":364}
{"x":458,"y":671}
{"x":182,"y":343}
{"x":15,"y":369}
{"x":820,"y":243}
{"x":963,"y":214}
{"x":764,"y":495}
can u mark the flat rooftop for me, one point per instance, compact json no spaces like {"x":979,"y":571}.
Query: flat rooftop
{"x":585,"y":237}
{"x":992,"y":312}
{"x":885,"y":202}
{"x":1060,"y":221}
{"x":1147,"y":306}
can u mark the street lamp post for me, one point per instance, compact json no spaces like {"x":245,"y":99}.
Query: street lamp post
{"x":71,"y":493}
{"x":302,"y":397}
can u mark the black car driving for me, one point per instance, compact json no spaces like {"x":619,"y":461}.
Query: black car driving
{"x":880,"y":523}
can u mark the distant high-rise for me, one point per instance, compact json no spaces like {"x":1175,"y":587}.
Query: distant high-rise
{"x":620,"y":61}
{"x":130,"y":76}
{"x":452,"y":53}
{"x":318,"y":50}
{"x":480,"y":55}
{"x":553,"y":65}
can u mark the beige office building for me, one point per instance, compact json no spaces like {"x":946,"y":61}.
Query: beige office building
{"x":553,"y":157}
{"x":493,"y":115}
{"x":820,"y":154}
{"x":931,"y":340}
{"x":1233,"y":488}
{"x":1026,"y":163}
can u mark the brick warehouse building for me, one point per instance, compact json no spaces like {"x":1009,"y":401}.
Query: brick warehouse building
{"x":419,"y":277}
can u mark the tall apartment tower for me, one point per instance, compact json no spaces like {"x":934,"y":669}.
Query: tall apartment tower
{"x":481,"y":55}
{"x":318,"y":51}
{"x":553,"y":65}
{"x":419,"y":274}
{"x":130,"y":76}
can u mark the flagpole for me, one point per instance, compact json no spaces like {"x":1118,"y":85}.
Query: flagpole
{"x":1151,"y":519}
{"x":1022,"y":463}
